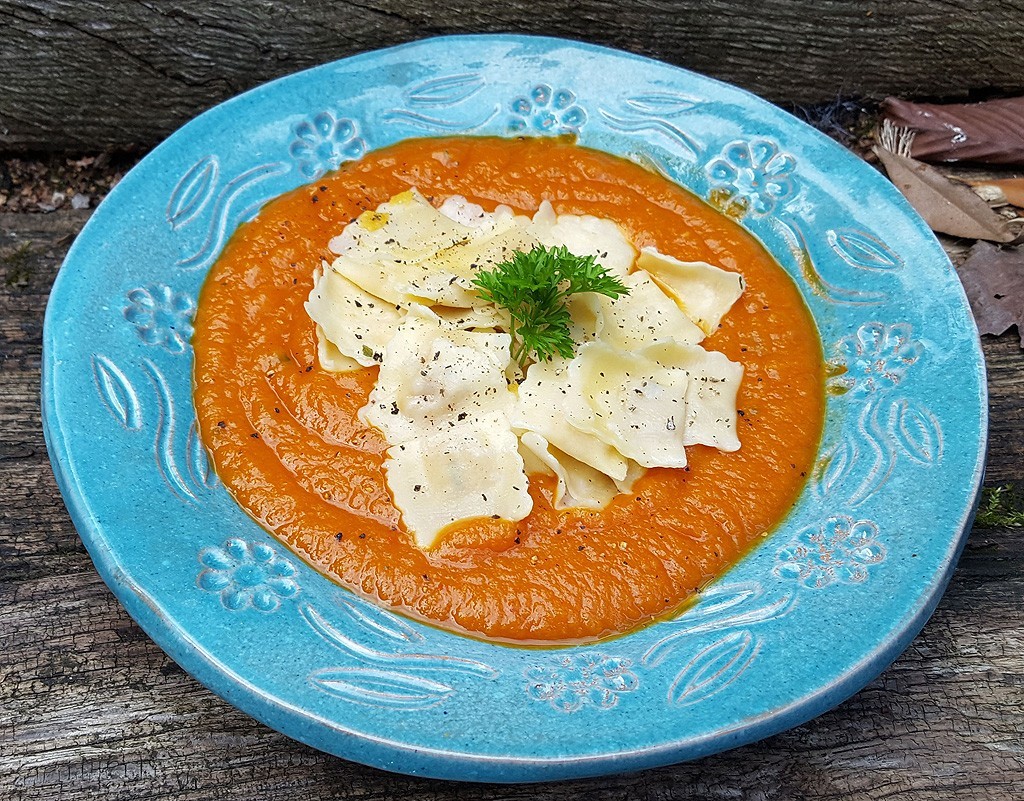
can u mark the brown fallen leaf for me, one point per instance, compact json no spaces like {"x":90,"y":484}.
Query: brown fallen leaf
{"x":993,"y":279}
{"x":947,"y":207}
{"x":991,"y":132}
{"x":1001,"y":190}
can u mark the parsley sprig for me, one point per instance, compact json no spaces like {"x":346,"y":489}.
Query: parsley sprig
{"x":534,"y":287}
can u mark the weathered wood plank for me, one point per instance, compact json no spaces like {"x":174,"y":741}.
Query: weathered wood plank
{"x":87,"y":701}
{"x":90,"y":700}
{"x":86,"y":74}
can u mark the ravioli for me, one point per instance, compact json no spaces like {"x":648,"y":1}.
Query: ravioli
{"x":645,"y":316}
{"x":703,"y":291}
{"x":474,"y":470}
{"x":585,"y":235}
{"x":434,"y":377}
{"x":714,"y":382}
{"x":545,"y":398}
{"x":578,"y":484}
{"x":632,"y":403}
{"x":357,"y":324}
{"x":463,"y":422}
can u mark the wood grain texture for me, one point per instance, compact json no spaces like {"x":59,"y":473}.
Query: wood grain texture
{"x":86,"y":74}
{"x":91,"y":707}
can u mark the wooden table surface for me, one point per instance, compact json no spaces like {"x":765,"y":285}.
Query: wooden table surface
{"x":90,"y":707}
{"x":86,"y":74}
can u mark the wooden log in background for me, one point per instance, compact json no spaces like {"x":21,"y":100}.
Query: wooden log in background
{"x":91,"y":74}
{"x":90,"y":707}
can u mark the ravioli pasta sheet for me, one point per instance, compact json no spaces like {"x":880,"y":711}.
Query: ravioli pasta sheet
{"x":463,"y":425}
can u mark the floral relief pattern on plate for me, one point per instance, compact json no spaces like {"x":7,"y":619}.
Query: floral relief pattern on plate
{"x":876,"y":357}
{"x":868,"y":371}
{"x":547,"y":111}
{"x":840,"y":550}
{"x":377,"y":669}
{"x":247,"y":574}
{"x":571,"y":682}
{"x":161,"y":316}
{"x":751,"y":177}
{"x":755,"y":178}
{"x":323,"y":143}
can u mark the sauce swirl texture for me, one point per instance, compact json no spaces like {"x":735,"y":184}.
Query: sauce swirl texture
{"x":287,"y":443}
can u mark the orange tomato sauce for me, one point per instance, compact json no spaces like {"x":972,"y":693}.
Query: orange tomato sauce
{"x":286,"y":441}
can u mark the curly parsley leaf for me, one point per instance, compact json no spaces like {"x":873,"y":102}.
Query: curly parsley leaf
{"x":534,"y":287}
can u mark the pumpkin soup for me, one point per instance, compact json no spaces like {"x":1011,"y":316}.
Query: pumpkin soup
{"x":289,"y":442}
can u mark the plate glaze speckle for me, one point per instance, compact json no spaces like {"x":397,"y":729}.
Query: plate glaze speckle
{"x":815,"y":612}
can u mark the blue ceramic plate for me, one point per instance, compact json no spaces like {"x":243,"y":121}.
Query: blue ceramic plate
{"x":818,"y":609}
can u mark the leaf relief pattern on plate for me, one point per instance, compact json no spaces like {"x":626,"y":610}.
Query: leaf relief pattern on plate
{"x":197,"y":460}
{"x":721,"y":607}
{"x":117,"y":393}
{"x":840,"y":550}
{"x":446,"y":91}
{"x":862,"y":250}
{"x":714,"y":668}
{"x":893,"y":428}
{"x":439,"y":105}
{"x":703,"y":668}
{"x":655,"y":112}
{"x":807,"y":263}
{"x":574,"y":681}
{"x":382,"y":688}
{"x":167,"y":441}
{"x":179,"y":456}
{"x":757,"y":178}
{"x":192,"y":192}
{"x":377,"y":670}
{"x":234,"y":203}
{"x":373,"y":618}
{"x":915,"y":431}
{"x":247,"y":575}
{"x":833,"y":466}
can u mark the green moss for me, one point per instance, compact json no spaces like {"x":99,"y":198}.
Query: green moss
{"x":1000,"y":506}
{"x":17,"y":265}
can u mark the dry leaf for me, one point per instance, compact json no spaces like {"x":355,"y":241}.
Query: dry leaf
{"x":1001,"y":190}
{"x":947,"y":207}
{"x":993,"y":279}
{"x":991,"y":132}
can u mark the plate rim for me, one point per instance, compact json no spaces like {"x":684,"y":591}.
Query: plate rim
{"x":438,"y":763}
